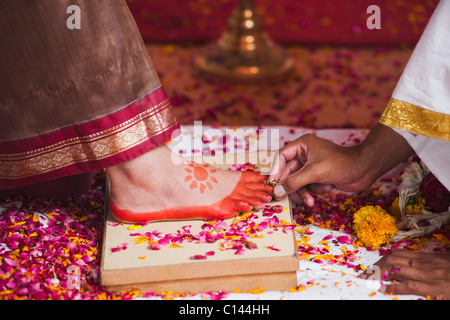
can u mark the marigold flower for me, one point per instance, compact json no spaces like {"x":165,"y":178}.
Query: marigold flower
{"x":373,"y":226}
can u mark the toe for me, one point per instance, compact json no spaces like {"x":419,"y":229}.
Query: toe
{"x":255,"y":177}
{"x":261,"y":187}
{"x":260,"y":195}
{"x":256,"y":203}
{"x":243,"y":206}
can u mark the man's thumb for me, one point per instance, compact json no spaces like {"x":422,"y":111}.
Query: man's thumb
{"x":279,"y":192}
{"x":292,"y":183}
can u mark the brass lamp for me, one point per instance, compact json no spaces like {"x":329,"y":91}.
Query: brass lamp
{"x":244,"y":52}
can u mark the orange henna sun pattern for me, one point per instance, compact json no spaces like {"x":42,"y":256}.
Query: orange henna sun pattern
{"x":200,"y":176}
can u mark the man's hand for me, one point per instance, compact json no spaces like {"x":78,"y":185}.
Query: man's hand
{"x":313,"y":164}
{"x":424,"y":274}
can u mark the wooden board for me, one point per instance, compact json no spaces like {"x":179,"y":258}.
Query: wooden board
{"x":172,"y":269}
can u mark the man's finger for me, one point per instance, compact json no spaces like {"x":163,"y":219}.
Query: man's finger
{"x":305,"y":196}
{"x":291,"y":167}
{"x":320,"y":188}
{"x":295,"y":181}
{"x":412,"y":287}
{"x":286,"y":154}
{"x":395,"y":258}
{"x":405,"y":273}
{"x":278,"y":166}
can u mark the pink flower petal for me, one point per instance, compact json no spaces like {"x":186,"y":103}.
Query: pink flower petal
{"x":345,"y":240}
{"x":164,"y":241}
{"x":197,"y":257}
{"x":241,"y":251}
{"x":11,"y":262}
{"x":155,"y":246}
{"x":120,"y":247}
{"x":288,"y":229}
{"x":220,"y":225}
{"x":395,"y":270}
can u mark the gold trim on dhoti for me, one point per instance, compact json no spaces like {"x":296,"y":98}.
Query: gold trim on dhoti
{"x":417,"y":120}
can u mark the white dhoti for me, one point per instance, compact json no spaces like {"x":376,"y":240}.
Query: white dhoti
{"x":419,"y":109}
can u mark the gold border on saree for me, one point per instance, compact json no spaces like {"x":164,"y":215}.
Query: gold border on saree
{"x":98,"y":146}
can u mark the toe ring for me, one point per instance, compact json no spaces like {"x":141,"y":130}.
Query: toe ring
{"x":271,"y":182}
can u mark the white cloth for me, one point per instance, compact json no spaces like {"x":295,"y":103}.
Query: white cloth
{"x":434,"y":153}
{"x":425,"y":82}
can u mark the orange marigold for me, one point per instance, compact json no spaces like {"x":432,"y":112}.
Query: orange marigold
{"x":373,"y":226}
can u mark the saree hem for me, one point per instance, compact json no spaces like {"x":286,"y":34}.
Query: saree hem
{"x":123,"y":135}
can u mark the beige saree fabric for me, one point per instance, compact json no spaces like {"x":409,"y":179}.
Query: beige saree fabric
{"x":52,"y":77}
{"x":75,"y":100}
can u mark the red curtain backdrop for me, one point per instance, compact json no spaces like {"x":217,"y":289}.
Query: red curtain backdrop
{"x":287,"y":21}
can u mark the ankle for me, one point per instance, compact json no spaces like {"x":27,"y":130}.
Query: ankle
{"x":132,"y":171}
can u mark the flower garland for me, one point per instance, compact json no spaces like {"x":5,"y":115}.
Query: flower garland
{"x":421,"y":197}
{"x":420,"y":191}
{"x":414,"y":206}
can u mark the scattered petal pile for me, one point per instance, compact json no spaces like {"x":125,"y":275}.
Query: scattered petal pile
{"x":51,"y":249}
{"x":237,"y":236}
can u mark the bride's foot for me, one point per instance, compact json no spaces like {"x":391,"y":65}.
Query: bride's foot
{"x":161,"y":186}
